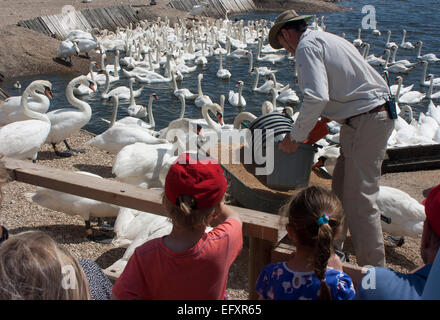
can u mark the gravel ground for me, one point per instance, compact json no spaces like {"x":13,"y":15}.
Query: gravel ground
{"x":19,"y":215}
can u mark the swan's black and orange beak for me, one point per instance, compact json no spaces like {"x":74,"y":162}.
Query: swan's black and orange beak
{"x":92,"y":86}
{"x":155,"y":96}
{"x":48,"y":93}
{"x":320,"y":162}
{"x":237,"y":84}
{"x":219,"y":118}
{"x":199,"y":130}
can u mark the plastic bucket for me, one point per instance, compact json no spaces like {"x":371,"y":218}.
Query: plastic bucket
{"x":291,"y":171}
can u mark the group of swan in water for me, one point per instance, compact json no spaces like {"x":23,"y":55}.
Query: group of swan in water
{"x":143,"y":153}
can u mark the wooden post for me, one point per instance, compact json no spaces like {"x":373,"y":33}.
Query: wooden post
{"x":259,"y":255}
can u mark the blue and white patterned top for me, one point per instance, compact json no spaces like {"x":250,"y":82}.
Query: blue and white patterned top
{"x":278,"y":282}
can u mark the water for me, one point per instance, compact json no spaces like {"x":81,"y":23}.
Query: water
{"x":419,"y":18}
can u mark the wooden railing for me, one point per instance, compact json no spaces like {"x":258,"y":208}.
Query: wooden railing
{"x":263,"y":229}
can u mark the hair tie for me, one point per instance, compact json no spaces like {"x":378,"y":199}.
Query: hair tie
{"x":323,"y":220}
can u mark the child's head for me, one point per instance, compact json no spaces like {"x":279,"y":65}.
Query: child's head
{"x":34,"y":267}
{"x":194,"y":188}
{"x":315,"y":216}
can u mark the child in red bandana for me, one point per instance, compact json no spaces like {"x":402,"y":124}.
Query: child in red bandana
{"x":189,"y":263}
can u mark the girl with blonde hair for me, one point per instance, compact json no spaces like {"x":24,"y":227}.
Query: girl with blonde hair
{"x":34,"y":267}
{"x":314,"y":219}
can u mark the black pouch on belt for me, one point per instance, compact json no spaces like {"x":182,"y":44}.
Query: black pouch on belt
{"x":391,"y":108}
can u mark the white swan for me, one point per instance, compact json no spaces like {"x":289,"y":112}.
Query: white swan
{"x":410,"y":97}
{"x":135,"y":110}
{"x":430,"y":57}
{"x":201,"y":99}
{"x":389,"y":44}
{"x":407,"y":214}
{"x":264,"y":71}
{"x":423,"y":81}
{"x":186,"y":126}
{"x":358,"y":41}
{"x":403,"y":89}
{"x":122,"y":91}
{"x":404,"y":62}
{"x":101,"y":77}
{"x":74,"y":205}
{"x":186,"y":93}
{"x":398,"y":68}
{"x":223,"y":73}
{"x":372,"y":59}
{"x":430,"y":94}
{"x":67,"y":121}
{"x":11,"y":110}
{"x":120,"y":135}
{"x":131,"y":223}
{"x":269,"y":57}
{"x":23,"y":139}
{"x":406,"y":44}
{"x":144,"y":164}
{"x":87,"y":45}
{"x":67,"y":49}
{"x":236,"y":98}
{"x":264,"y":88}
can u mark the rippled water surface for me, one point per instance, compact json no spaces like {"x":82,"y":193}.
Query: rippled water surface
{"x":419,"y":18}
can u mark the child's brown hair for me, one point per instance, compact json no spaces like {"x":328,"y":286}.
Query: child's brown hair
{"x":315,"y":215}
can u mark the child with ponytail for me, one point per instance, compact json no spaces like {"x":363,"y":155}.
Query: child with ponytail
{"x":313,"y":271}
{"x":189,"y":263}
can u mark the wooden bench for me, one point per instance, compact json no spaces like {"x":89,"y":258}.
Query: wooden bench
{"x":263,"y":229}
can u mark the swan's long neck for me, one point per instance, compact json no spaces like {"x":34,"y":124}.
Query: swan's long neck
{"x":399,"y":84}
{"x":239,"y":94}
{"x":115,"y":112}
{"x":150,"y":111}
{"x":24,"y":105}
{"x":251,"y":61}
{"x":404,"y":36}
{"x":393,"y":60}
{"x":425,"y":68}
{"x":182,"y":106}
{"x":107,"y":82}
{"x":257,"y":78}
{"x":199,"y":87}
{"x":174,"y":81}
{"x":221,"y":61}
{"x":222,"y":101}
{"x":83,"y":106}
{"x":208,"y":119}
{"x":243,"y":116}
{"x":419,"y":49}
{"x":389,"y":36}
{"x":132,"y":101}
{"x":274,"y":98}
{"x":92,"y":75}
{"x":260,"y":44}
{"x":429,"y":94}
{"x":102,"y":62}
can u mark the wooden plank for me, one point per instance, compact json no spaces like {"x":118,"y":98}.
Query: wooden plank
{"x":259,"y":256}
{"x":256,"y":224}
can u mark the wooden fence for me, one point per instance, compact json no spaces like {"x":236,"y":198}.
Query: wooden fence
{"x":59,"y":25}
{"x":216,"y":8}
{"x":263,"y":229}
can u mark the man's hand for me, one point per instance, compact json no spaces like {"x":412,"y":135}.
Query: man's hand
{"x":287,"y":145}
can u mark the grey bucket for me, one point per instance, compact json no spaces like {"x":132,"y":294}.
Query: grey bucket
{"x":291,"y":171}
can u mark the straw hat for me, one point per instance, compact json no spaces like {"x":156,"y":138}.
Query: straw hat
{"x":280,"y":21}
